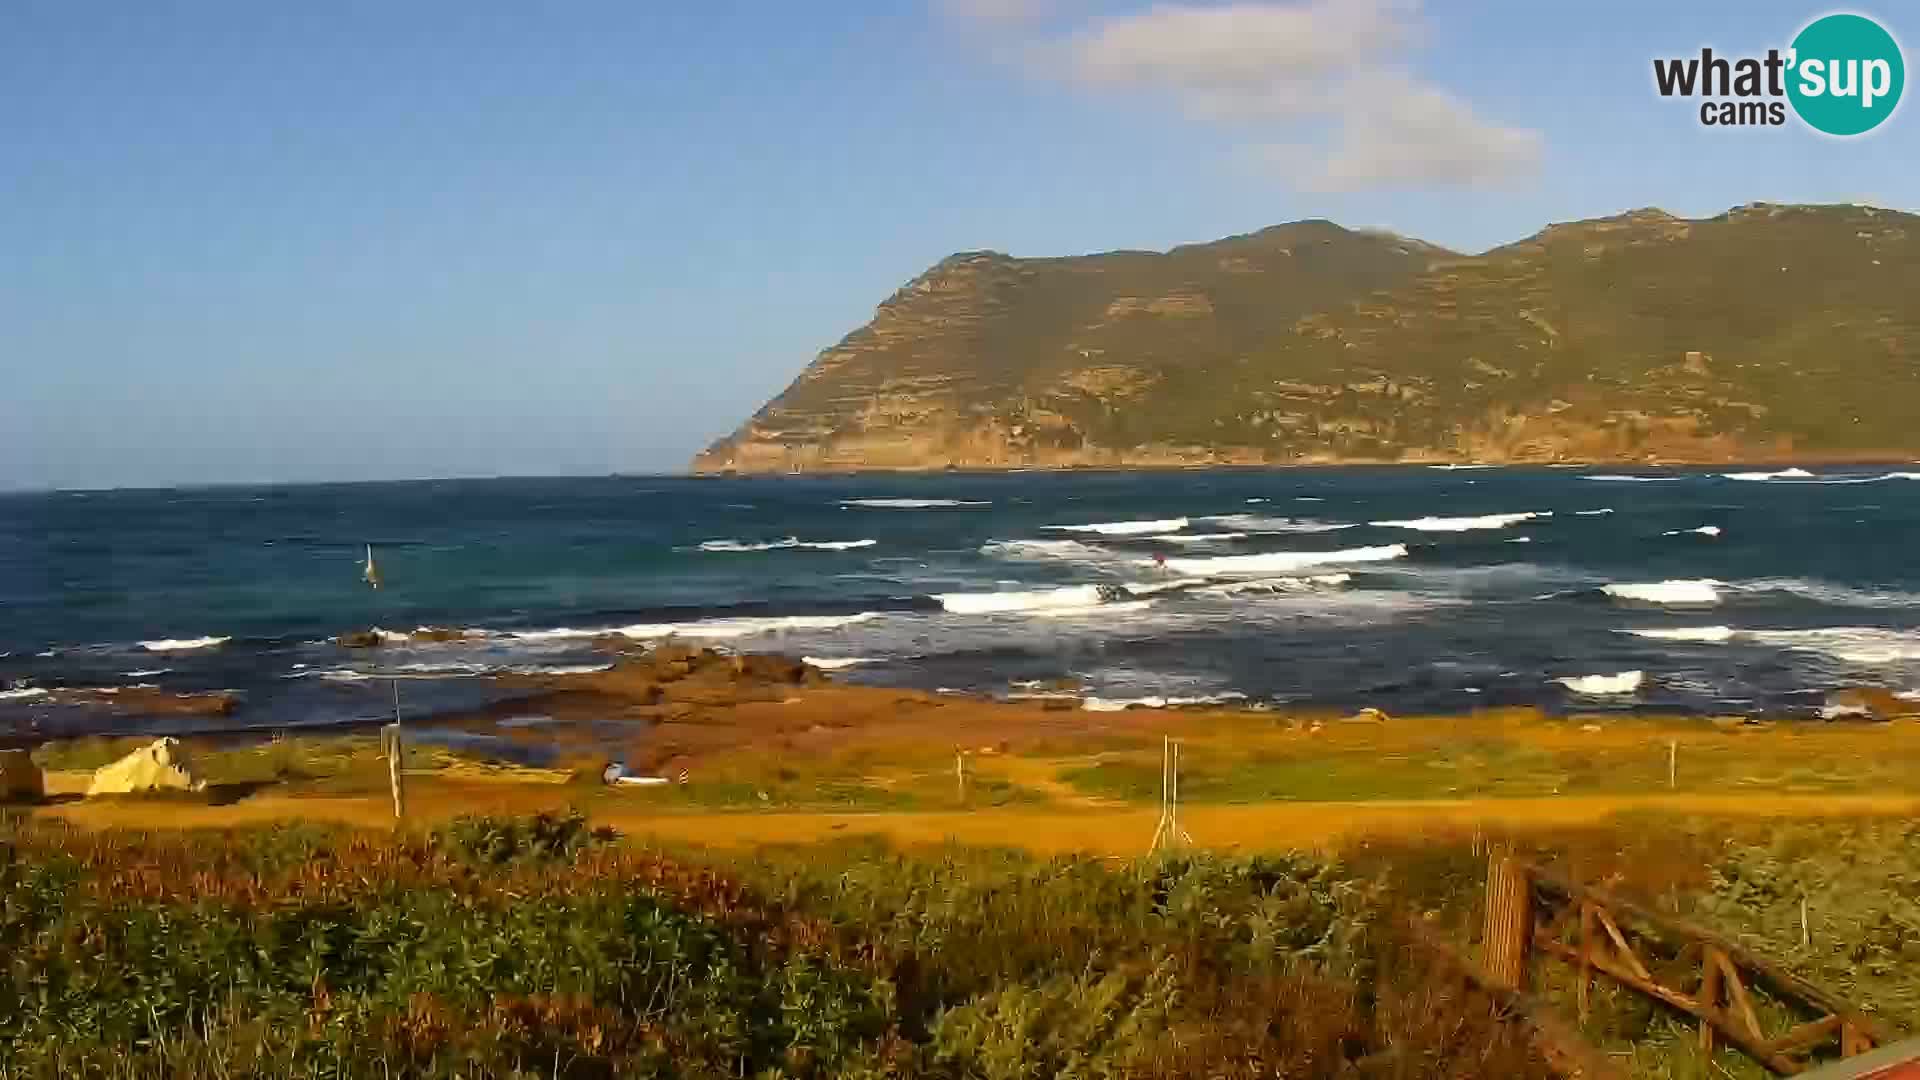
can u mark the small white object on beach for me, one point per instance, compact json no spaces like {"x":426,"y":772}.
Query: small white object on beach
{"x":159,"y":766}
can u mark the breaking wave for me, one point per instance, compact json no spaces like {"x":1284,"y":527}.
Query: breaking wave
{"x":1126,"y":528}
{"x":183,"y":644}
{"x":912,"y":504}
{"x":1871,"y":646}
{"x":788,"y":542}
{"x":1280,"y":562}
{"x":1000,"y":603}
{"x":1462,"y":524}
{"x":1686,"y":633}
{"x":1704,"y":530}
{"x":1779,"y":474}
{"x":837,"y":663}
{"x":706,"y":628}
{"x":1833,"y":595}
{"x":1625,"y":479}
{"x":1626,"y":682}
{"x":1691,"y":593}
{"x":22,"y":693}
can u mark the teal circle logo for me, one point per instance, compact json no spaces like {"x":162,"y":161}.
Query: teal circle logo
{"x":1846,"y":74}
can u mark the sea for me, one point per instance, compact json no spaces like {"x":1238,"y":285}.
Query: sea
{"x":1423,"y":590}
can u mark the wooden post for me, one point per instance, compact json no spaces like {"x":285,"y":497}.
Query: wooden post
{"x":960,"y":773}
{"x":1509,"y":920}
{"x":1709,"y":994}
{"x":1587,"y":921}
{"x":396,"y":753}
{"x":1673,"y":763}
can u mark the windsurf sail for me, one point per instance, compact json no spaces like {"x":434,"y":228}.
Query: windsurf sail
{"x":370,"y":572}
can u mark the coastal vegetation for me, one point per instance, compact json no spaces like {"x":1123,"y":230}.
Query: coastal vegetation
{"x":545,"y":946}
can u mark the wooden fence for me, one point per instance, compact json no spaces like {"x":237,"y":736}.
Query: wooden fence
{"x":1535,"y":911}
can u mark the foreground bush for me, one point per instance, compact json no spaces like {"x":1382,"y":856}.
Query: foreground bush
{"x":533,"y":948}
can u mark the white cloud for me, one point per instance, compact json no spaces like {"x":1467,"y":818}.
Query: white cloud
{"x":1318,"y":88}
{"x":1263,"y":52}
{"x":1405,"y":134}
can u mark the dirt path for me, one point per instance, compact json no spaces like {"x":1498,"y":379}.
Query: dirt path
{"x":1097,"y":830}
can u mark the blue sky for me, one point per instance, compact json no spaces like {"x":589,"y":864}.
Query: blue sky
{"x":263,"y":242}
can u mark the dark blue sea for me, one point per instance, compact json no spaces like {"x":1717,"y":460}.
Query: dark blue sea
{"x":1409,"y":589}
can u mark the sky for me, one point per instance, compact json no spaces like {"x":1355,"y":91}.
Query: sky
{"x":245,"y":242}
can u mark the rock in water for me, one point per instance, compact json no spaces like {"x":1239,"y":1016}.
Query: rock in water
{"x":159,"y":766}
{"x":20,"y":779}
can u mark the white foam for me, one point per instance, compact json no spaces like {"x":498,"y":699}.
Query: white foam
{"x":1126,"y":528}
{"x":1705,"y":591}
{"x":1000,"y":603}
{"x":1278,"y":585}
{"x":1626,"y":682}
{"x":146,"y":673}
{"x":22,"y":693}
{"x":1155,"y":701}
{"x":1704,"y":530}
{"x":1833,"y":595}
{"x":1104,"y":610}
{"x":1623,"y":479}
{"x":788,"y":542}
{"x":1022,"y":550}
{"x":1280,"y":562}
{"x":1779,"y":474}
{"x":1262,"y":524}
{"x":1686,"y":633}
{"x":1872,"y":646}
{"x":1593,"y":513}
{"x":1250,"y":502}
{"x":707,"y":628}
{"x":1198,"y":538}
{"x":1463,"y":524}
{"x":183,"y":644}
{"x":1521,"y":540}
{"x":837,"y":663}
{"x":1149,"y":588}
{"x":912,"y":504}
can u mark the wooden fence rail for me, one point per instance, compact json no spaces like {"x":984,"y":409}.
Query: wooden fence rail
{"x":1531,"y":909}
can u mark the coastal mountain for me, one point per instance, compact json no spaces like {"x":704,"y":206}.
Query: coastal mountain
{"x":1767,"y":333}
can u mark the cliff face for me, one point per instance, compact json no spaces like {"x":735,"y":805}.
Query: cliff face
{"x":1766,"y":333}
